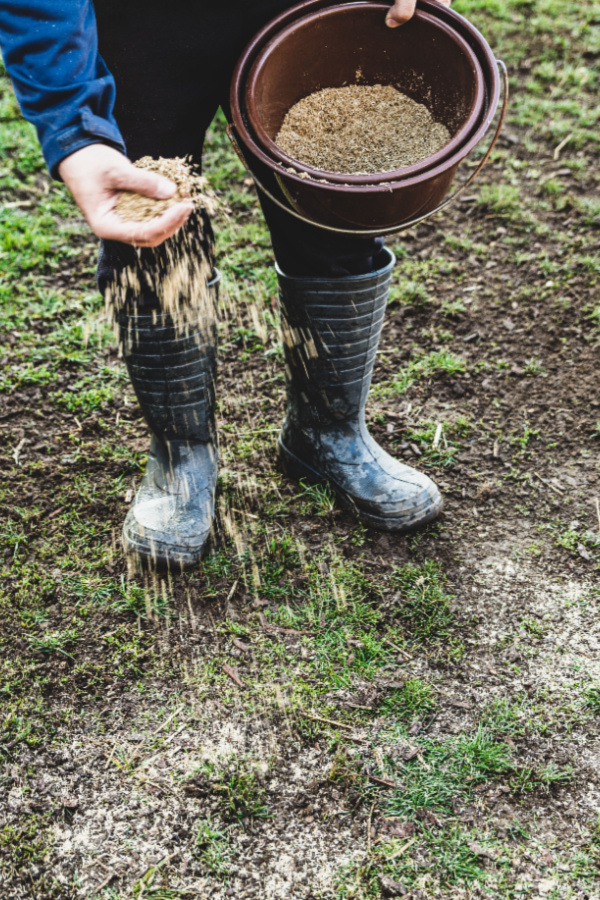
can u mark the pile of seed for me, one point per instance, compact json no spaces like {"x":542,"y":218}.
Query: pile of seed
{"x":360,"y":129}
{"x":172,"y":277}
{"x":137,"y":208}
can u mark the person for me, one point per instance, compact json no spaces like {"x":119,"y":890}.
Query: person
{"x":109,"y":81}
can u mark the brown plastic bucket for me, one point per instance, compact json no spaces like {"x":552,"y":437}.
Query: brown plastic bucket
{"x":359,"y":209}
{"x":327,"y":48}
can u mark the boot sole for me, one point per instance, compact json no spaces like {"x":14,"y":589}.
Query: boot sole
{"x":160,"y":556}
{"x":298,"y":469}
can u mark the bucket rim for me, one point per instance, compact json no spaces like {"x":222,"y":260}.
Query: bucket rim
{"x":391,"y":175}
{"x":491,"y":78}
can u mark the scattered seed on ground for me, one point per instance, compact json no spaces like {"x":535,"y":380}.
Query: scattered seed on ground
{"x":360,"y":129}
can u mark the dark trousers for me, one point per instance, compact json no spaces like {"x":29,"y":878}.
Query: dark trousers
{"x":172,"y":61}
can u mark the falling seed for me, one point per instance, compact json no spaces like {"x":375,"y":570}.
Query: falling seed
{"x":178,"y":271}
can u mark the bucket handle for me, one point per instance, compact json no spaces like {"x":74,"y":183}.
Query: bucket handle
{"x":394,"y":229}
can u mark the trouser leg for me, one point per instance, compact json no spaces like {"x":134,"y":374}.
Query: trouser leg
{"x":172,"y":63}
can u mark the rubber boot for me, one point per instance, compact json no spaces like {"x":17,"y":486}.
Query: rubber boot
{"x":331,"y":330}
{"x":173,"y":375}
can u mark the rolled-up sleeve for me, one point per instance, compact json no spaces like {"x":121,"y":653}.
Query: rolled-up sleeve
{"x":50,"y":50}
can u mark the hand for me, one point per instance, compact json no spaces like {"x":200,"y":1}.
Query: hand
{"x":403,"y":10}
{"x":97,"y":174}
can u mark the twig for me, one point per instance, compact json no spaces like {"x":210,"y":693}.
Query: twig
{"x":552,"y":487}
{"x":232,"y":673}
{"x":369,"y":828}
{"x":17,"y":451}
{"x":175,"y":733}
{"x":438,"y":436}
{"x":404,"y":653}
{"x":383,"y":781}
{"x":327,"y":721}
{"x":561,"y":146}
{"x":402,"y":849}
{"x":166,"y":722}
{"x":232,"y":591}
{"x":356,"y":739}
{"x":597,"y":502}
{"x":105,"y":883}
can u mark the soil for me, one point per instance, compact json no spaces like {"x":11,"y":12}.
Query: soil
{"x":360,"y":129}
{"x":121,"y":728}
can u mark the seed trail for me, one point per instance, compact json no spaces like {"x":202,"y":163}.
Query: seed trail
{"x":174,"y":275}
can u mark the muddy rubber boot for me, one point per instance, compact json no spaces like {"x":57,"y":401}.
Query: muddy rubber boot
{"x":173,"y":375}
{"x":331,"y":330}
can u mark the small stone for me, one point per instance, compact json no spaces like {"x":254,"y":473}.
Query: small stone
{"x":391,"y":888}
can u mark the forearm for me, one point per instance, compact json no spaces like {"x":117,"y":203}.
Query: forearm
{"x":50,"y":50}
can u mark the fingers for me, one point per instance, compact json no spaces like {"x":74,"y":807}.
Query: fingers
{"x":400,"y":12}
{"x":144,"y":234}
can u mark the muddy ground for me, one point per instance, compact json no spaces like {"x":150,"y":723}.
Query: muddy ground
{"x":319,"y":710}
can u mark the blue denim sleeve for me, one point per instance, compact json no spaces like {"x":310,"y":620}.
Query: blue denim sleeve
{"x":50,"y":50}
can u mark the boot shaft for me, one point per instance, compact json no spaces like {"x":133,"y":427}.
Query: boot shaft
{"x":172,"y":367}
{"x":331,"y":330}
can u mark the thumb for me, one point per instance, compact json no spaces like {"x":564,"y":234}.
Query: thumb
{"x":140,"y":181}
{"x":400,"y":12}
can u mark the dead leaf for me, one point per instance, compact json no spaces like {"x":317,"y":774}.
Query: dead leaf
{"x":478,"y":850}
{"x":383,"y":781}
{"x":390,"y":887}
{"x":245,"y":648}
{"x":233,"y":674}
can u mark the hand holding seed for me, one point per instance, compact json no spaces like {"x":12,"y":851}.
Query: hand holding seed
{"x":97,"y":176}
{"x":403,"y":10}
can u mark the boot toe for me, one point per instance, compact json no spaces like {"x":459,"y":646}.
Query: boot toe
{"x":166,"y":545}
{"x":402,"y":502}
{"x":384,"y":492}
{"x":165,"y":531}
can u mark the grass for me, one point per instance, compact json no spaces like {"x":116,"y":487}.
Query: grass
{"x":426,"y":366}
{"x":426,"y":606}
{"x":323,"y":608}
{"x":213,"y":849}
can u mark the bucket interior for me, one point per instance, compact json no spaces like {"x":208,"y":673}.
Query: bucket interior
{"x":343,"y":45}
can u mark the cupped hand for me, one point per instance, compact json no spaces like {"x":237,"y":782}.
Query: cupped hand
{"x":403,"y":10}
{"x":97,"y":174}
